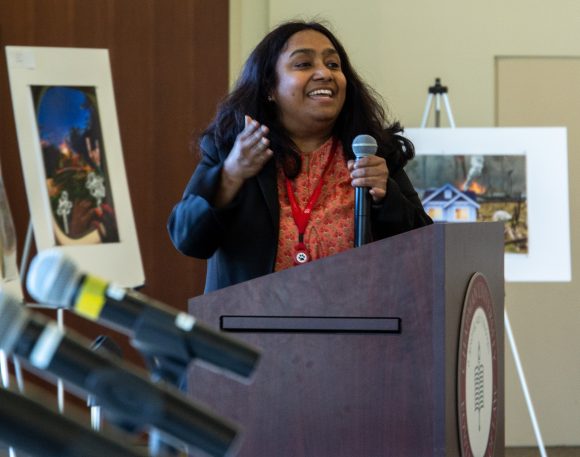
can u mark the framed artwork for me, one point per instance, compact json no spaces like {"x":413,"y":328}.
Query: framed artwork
{"x":72,"y":159}
{"x":9,"y":274}
{"x":518,"y":176}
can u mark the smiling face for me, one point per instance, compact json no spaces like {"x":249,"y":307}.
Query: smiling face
{"x":311,"y":87}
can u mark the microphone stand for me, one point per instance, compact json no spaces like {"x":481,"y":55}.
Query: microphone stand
{"x":163,"y":368}
{"x":106,"y":346}
{"x":171,"y":371}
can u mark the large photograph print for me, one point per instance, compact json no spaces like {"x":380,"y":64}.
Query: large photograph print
{"x":475,"y":188}
{"x":72,"y":159}
{"x":517,"y":176}
{"x":75,"y":165}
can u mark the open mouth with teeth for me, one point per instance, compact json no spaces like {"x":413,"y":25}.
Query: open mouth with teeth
{"x":321,"y":93}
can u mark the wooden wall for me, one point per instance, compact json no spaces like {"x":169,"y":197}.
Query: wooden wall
{"x":169,"y":61}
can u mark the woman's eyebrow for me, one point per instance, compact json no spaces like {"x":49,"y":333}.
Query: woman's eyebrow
{"x":310,"y":51}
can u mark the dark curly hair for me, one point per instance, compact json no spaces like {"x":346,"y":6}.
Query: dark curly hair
{"x":362,"y":111}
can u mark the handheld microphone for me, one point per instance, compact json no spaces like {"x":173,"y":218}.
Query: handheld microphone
{"x":154,"y":328}
{"x":363,"y":146}
{"x":121,"y":390}
{"x":36,"y":430}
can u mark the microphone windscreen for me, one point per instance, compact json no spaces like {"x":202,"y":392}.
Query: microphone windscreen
{"x":52,"y":278}
{"x":363,"y":146}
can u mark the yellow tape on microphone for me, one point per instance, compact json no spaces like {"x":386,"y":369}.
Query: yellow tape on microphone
{"x":91,"y":298}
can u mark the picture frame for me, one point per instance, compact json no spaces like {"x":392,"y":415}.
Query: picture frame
{"x":72,"y":159}
{"x":9,"y":275}
{"x":527,"y":171}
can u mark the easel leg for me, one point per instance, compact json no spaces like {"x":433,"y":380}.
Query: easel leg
{"x":26,"y":250}
{"x":524,"y":384}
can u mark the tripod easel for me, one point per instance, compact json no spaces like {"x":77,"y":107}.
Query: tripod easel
{"x":439,"y":92}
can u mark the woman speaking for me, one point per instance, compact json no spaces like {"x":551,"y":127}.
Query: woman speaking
{"x":274,"y":187}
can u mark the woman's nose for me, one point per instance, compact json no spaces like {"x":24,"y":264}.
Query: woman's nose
{"x":322,"y":72}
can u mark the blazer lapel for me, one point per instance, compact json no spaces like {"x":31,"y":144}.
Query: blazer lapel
{"x":269,"y":187}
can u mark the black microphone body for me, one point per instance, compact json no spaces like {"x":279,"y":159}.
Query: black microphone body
{"x":35,"y":429}
{"x":154,"y":328}
{"x":363,"y":146}
{"x":121,"y":390}
{"x":362,"y":216}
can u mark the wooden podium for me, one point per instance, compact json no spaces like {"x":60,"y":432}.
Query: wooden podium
{"x":360,"y":350}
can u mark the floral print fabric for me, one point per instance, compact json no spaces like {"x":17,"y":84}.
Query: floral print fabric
{"x":331,"y":226}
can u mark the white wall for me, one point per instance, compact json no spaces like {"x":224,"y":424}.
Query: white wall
{"x":399,"y":48}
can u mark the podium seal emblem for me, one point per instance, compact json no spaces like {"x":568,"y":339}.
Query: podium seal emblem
{"x":477,"y":387}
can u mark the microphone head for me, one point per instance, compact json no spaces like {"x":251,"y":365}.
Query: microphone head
{"x":12,"y":318}
{"x":53,"y":278}
{"x":363,"y":146}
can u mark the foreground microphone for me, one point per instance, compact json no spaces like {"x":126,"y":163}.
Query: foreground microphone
{"x":31,"y":427}
{"x":155,"y":328}
{"x":122,"y":391}
{"x":363,"y":146}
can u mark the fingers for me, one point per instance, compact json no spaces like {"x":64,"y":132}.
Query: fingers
{"x":255,"y":145}
{"x":254,"y":135}
{"x":367,"y":162}
{"x":261,"y":145}
{"x":252,"y":141}
{"x":378,"y":194}
{"x":250,"y":152}
{"x":368,"y":171}
{"x":371,"y":172}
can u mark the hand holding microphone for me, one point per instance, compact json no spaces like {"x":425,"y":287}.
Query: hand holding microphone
{"x":369,"y":175}
{"x":368,"y":170}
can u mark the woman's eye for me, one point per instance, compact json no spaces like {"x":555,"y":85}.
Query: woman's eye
{"x":302,"y":64}
{"x":334,"y":65}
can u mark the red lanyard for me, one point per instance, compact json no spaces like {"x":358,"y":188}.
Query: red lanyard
{"x":302,"y":216}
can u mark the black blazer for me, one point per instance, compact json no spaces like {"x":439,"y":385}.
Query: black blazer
{"x":240,"y":240}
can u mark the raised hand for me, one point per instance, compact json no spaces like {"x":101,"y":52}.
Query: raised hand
{"x":250,"y":152}
{"x":248,"y":156}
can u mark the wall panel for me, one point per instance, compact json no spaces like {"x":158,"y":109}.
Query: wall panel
{"x":169,"y":61}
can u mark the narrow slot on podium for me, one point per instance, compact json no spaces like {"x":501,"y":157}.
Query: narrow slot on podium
{"x":284,"y":324}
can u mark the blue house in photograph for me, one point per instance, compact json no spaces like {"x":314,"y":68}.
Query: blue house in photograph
{"x":449,"y":204}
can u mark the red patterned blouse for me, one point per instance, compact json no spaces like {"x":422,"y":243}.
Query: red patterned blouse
{"x":331,"y":226}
